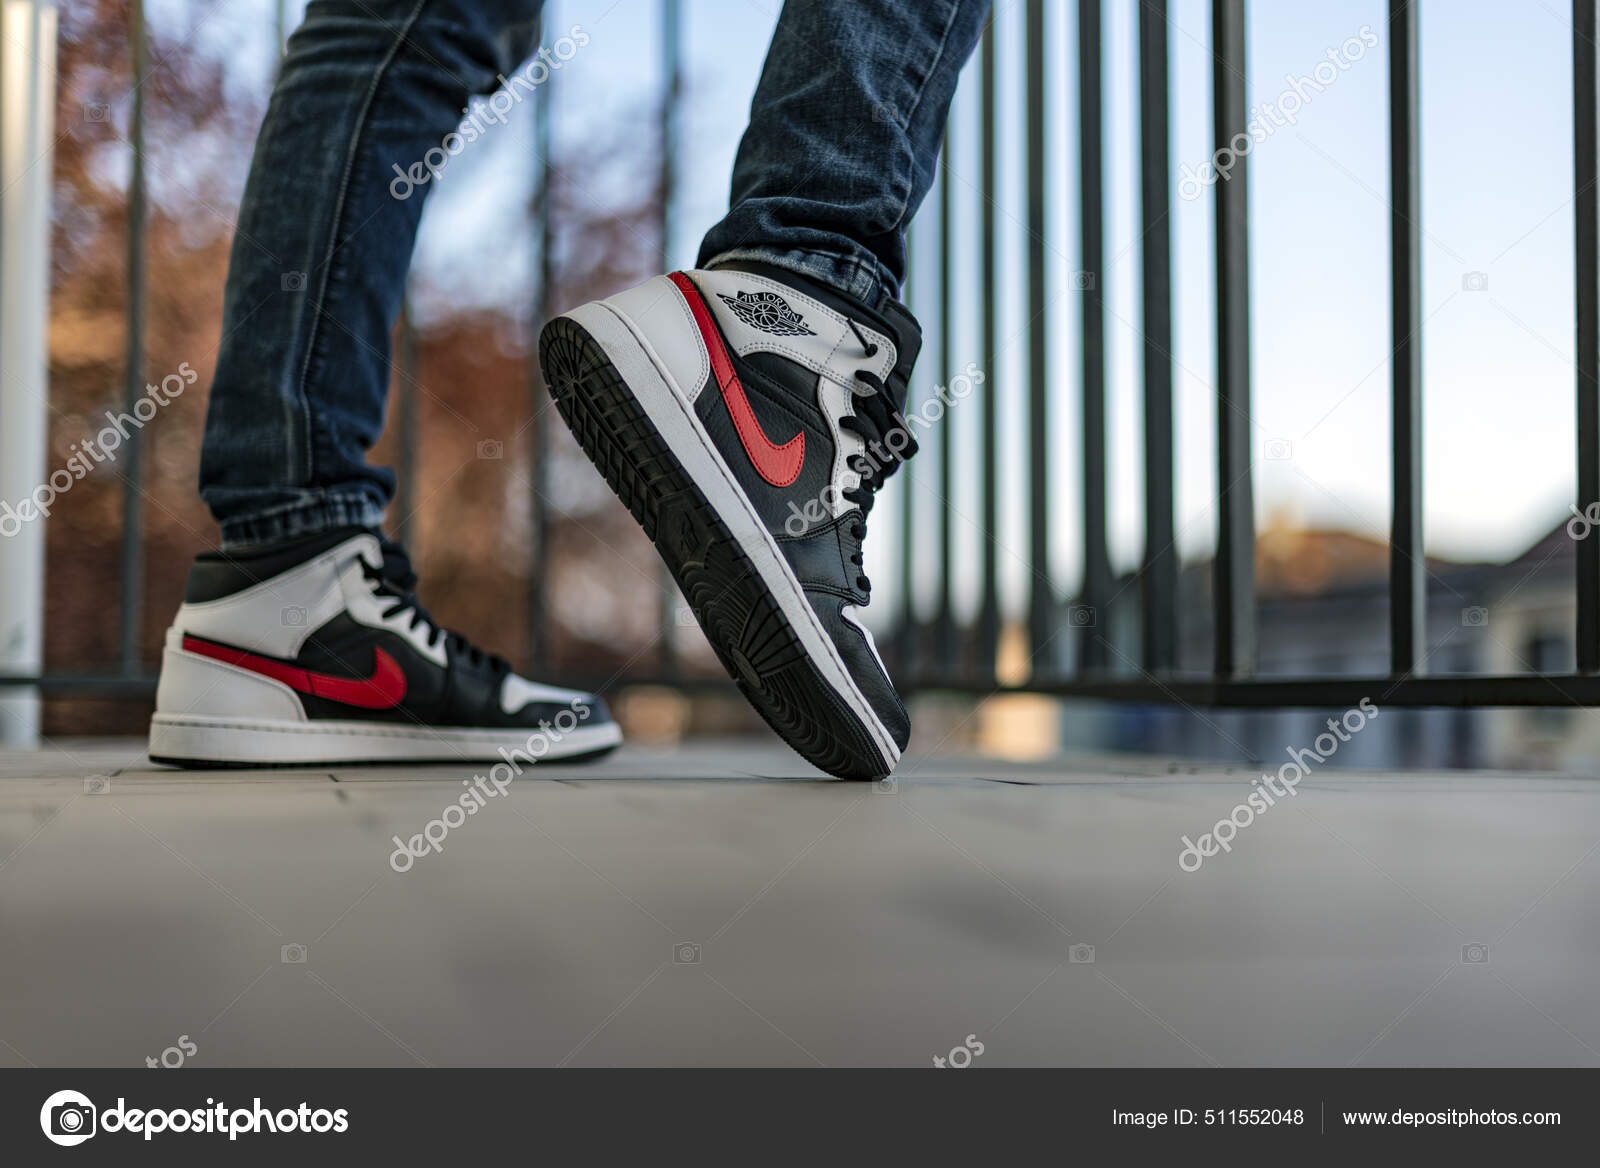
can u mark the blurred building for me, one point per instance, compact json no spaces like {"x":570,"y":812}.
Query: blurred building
{"x":1324,"y":612}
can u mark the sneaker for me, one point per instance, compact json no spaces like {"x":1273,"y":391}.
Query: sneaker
{"x":747,"y":417}
{"x":317,"y":652}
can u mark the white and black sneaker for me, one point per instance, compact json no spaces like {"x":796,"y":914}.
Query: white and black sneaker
{"x":317,"y":652}
{"x":747,"y":417}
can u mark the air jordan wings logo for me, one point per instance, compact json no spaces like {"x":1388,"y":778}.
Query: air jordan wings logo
{"x":768,"y":312}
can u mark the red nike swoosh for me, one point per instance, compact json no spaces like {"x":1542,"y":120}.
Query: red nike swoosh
{"x":384,"y":690}
{"x":779,"y":465}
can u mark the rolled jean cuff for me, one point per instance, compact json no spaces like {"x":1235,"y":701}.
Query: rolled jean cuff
{"x":317,"y":512}
{"x":859,"y":276}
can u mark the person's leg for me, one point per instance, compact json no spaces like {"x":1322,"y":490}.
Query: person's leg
{"x":844,"y":135}
{"x":749,"y":411}
{"x":302,"y":641}
{"x":320,"y":255}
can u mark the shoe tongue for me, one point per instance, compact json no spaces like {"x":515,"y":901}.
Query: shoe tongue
{"x":396,"y":568}
{"x":907,"y":344}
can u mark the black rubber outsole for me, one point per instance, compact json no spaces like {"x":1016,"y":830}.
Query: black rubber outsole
{"x":200,"y":764}
{"x":742,"y":620}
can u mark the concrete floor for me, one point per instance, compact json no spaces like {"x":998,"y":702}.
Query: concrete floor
{"x":717,"y":905}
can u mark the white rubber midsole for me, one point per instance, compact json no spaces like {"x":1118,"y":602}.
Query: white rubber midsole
{"x":198,"y":738}
{"x":668,"y":406}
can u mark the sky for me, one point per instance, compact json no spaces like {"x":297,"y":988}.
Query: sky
{"x":1497,"y":348}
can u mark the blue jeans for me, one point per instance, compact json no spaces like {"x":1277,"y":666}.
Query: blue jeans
{"x":843,"y":138}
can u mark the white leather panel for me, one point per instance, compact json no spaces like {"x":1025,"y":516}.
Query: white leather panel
{"x":191,"y":684}
{"x":367,"y":607}
{"x":519,"y":691}
{"x":276,"y":616}
{"x":660,"y":320}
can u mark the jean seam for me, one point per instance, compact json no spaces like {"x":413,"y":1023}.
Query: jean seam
{"x":869,"y":270}
{"x":363,"y":121}
{"x":952,"y":11}
{"x":321,"y":499}
{"x":340,"y":508}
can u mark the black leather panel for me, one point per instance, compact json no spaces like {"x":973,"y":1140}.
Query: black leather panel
{"x":862,"y":663}
{"x":821,"y":557}
{"x":218,"y":574}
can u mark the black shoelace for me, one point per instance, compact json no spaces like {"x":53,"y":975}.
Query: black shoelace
{"x":397,"y":580}
{"x":876,"y":418}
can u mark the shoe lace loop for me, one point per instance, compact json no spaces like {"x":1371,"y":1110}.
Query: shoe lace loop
{"x":397,"y":580}
{"x":882,"y":428}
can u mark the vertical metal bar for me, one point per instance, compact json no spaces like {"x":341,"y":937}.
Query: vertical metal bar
{"x":539,"y":647}
{"x":672,"y":76}
{"x":1234,"y":567}
{"x":1159,"y":574}
{"x":989,"y":615}
{"x":1586,"y":241}
{"x":945,"y":625}
{"x":1041,"y":602}
{"x":27,"y":135}
{"x":131,"y":601}
{"x":1407,"y":589}
{"x":1092,"y":617}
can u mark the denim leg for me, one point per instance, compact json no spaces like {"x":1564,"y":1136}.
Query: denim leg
{"x":324,"y":239}
{"x":844,"y":134}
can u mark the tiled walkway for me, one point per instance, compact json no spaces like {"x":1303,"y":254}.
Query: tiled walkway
{"x":720,"y":904}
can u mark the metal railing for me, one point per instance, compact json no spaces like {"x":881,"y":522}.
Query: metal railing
{"x":946,"y":653}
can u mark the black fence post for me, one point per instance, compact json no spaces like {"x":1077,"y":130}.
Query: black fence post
{"x":1586,"y":269}
{"x":1407,"y":587}
{"x":1234,"y":567}
{"x":1159,"y":573}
